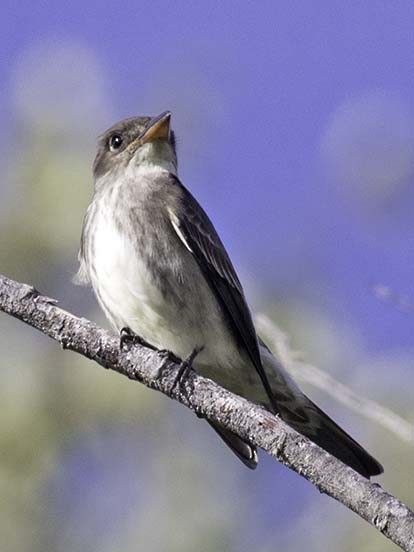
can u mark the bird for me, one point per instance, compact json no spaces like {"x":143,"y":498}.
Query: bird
{"x":160,"y":272}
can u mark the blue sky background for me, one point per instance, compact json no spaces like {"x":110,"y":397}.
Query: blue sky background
{"x":295,"y":131}
{"x":253,"y":89}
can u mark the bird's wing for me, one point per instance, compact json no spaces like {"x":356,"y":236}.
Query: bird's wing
{"x":197,"y":233}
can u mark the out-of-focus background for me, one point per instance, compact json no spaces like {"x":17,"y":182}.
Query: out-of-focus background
{"x":295,"y":124}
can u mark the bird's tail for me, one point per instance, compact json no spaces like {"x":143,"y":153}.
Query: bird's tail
{"x":244,"y":451}
{"x":308,"y":419}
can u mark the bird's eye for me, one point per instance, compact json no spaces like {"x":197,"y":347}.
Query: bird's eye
{"x":115,"y":142}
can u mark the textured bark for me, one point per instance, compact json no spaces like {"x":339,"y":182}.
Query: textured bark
{"x":157,"y":371}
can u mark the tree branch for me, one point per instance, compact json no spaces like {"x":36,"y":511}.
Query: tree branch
{"x":207,"y":399}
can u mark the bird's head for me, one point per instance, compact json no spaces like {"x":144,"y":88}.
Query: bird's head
{"x":137,"y":144}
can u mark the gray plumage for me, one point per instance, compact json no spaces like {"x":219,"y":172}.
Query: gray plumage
{"x":158,"y":267}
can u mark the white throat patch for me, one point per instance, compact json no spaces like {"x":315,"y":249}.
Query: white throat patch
{"x":154,"y":157}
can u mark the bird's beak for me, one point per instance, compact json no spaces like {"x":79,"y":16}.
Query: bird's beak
{"x":158,"y":128}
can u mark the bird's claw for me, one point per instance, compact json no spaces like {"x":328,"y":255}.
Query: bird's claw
{"x":169,"y":355}
{"x":127,"y":336}
{"x":186,"y":366}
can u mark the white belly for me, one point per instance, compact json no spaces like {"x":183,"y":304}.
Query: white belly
{"x":123,"y":284}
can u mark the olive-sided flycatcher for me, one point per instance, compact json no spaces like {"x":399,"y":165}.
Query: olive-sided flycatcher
{"x":160,"y":270}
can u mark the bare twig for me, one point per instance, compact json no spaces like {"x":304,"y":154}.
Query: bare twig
{"x":305,"y":372}
{"x":251,"y":422}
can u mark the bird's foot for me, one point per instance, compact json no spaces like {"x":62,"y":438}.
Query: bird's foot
{"x":128,"y":337}
{"x":186,"y":366}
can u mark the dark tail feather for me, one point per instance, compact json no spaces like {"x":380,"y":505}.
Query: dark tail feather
{"x":244,"y":451}
{"x":312,"y":422}
{"x":303,"y":415}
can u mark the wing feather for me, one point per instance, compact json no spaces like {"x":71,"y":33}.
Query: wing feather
{"x":198,"y":234}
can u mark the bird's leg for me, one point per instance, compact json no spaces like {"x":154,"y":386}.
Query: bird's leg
{"x":127,"y":336}
{"x":185,"y":366}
